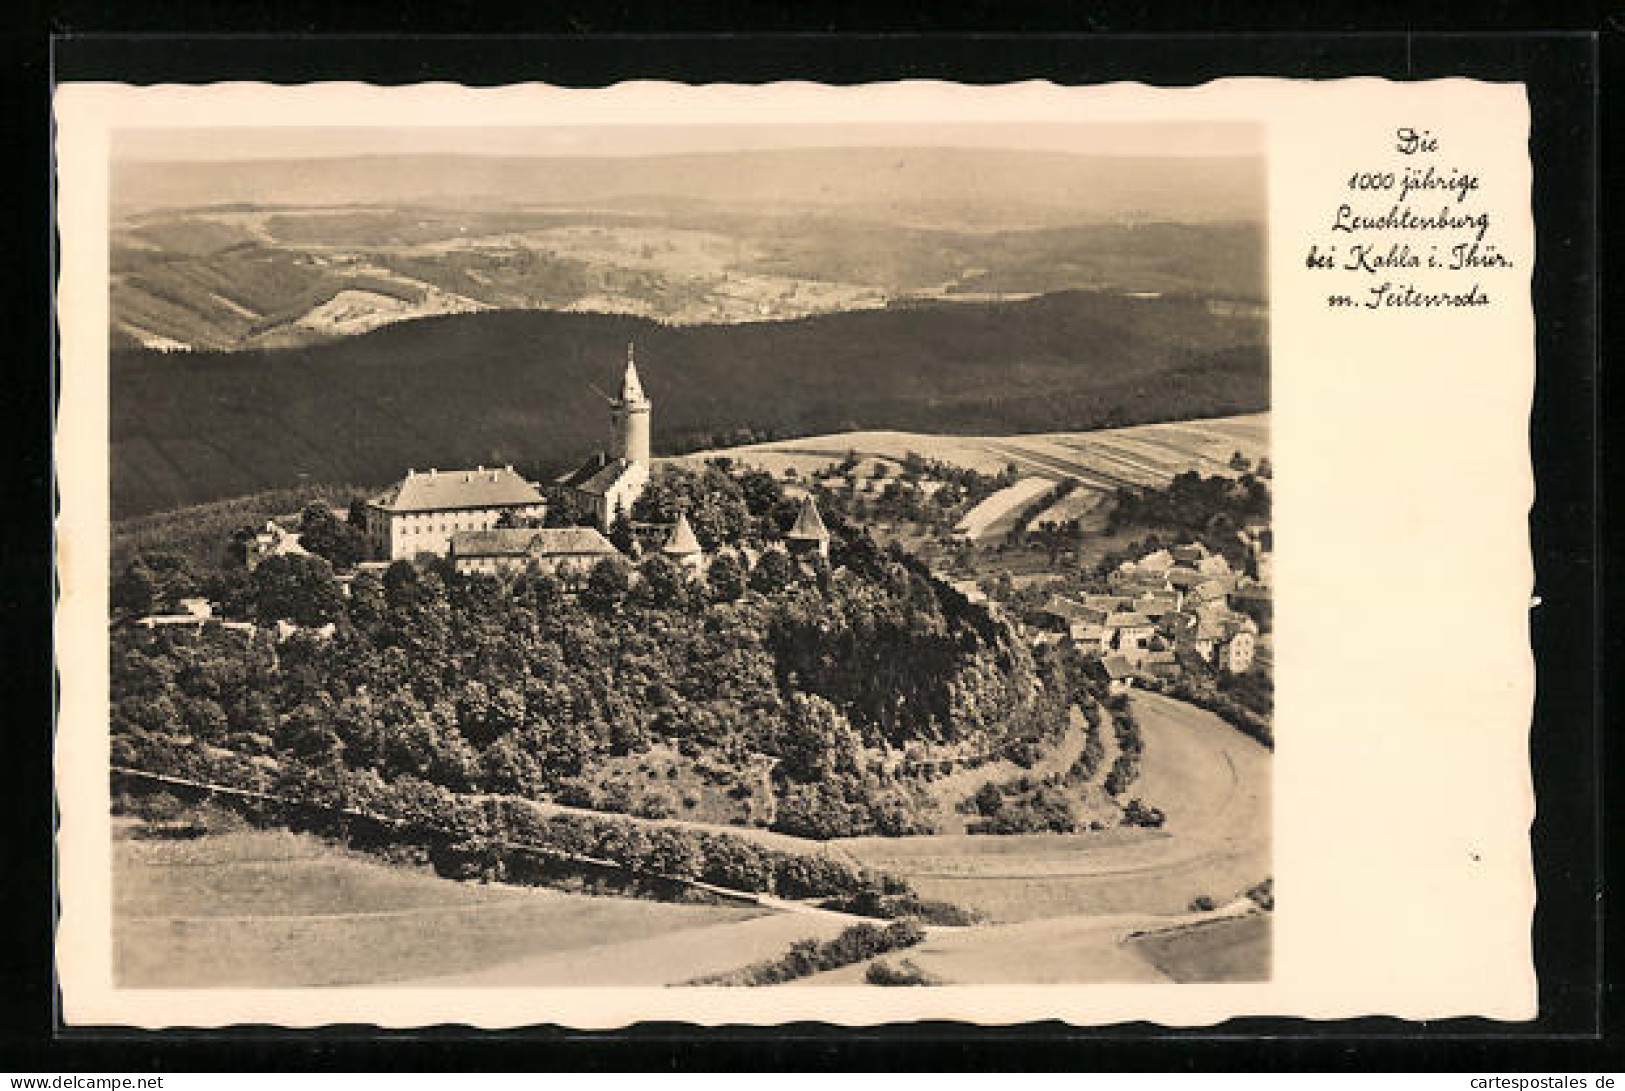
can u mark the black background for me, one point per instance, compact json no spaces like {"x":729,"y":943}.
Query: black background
{"x":593,"y":45}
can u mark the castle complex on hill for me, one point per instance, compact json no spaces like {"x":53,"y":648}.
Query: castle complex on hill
{"x":469,"y":515}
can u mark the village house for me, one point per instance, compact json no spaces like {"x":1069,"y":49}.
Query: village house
{"x":1157,"y":604}
{"x":1115,"y":671}
{"x":1129,"y":635}
{"x":275,"y":540}
{"x":1190,"y":554}
{"x":421,"y":512}
{"x":194,"y":612}
{"x":1226,"y":640}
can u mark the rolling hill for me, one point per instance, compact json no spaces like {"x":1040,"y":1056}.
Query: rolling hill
{"x":516,"y":387}
{"x":990,"y":186}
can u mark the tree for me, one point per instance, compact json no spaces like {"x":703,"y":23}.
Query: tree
{"x":154,"y":581}
{"x":621,"y":535}
{"x":401,"y":584}
{"x":818,"y":742}
{"x":295,"y":588}
{"x":773,"y":571}
{"x":661,"y":583}
{"x":357,"y":514}
{"x":726,"y":578}
{"x":320,"y":532}
{"x":135,"y":590}
{"x":367,"y":603}
{"x":607,"y":586}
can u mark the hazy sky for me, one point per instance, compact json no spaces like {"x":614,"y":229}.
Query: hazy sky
{"x":191,"y":145}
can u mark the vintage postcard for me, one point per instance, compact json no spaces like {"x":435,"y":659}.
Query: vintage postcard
{"x":754,"y":554}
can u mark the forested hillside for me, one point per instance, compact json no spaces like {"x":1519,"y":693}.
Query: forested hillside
{"x":517,"y":387}
{"x":529,"y":687}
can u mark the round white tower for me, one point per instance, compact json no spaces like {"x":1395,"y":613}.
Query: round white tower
{"x":631,"y":414}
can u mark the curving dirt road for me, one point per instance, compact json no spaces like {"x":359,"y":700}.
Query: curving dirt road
{"x":1209,"y":779}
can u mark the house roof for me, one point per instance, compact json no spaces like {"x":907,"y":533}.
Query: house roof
{"x":537,"y":542}
{"x":682,"y":542}
{"x":1127,"y":620}
{"x":1117,"y":666}
{"x":1180,"y":576}
{"x":448,"y":490}
{"x":1160,"y":561}
{"x":1189,"y":552}
{"x":596,"y":476}
{"x":809,"y":524}
{"x":1209,"y":589}
{"x":1064,"y":608}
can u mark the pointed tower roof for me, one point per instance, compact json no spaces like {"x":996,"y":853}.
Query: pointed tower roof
{"x":809,"y":524}
{"x":631,"y":388}
{"x":682,"y":542}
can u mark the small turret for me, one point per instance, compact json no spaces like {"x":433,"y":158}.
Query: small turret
{"x":683,"y":547}
{"x":809,"y":535}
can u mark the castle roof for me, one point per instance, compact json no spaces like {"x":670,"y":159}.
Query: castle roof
{"x":631,"y":388}
{"x":533,"y":541}
{"x":682,"y":542}
{"x":596,"y":476}
{"x":448,"y":490}
{"x":809,"y":524}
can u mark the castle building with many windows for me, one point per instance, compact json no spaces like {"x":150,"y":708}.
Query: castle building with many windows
{"x":421,"y":512}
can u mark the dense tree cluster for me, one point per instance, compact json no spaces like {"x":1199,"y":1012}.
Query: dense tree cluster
{"x":490,"y":837}
{"x":473,"y":683}
{"x":1192,"y":503}
{"x":808,"y":956}
{"x":1244,"y":701}
{"x":904,"y":498}
{"x":1130,"y":746}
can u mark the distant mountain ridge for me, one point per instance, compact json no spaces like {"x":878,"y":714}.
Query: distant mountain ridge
{"x":970,"y":185}
{"x":500,"y":387}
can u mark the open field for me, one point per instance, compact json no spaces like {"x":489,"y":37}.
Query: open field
{"x":996,"y":516}
{"x":1126,"y":949}
{"x":1146,"y":454}
{"x":1237,"y":949}
{"x":658,"y":960}
{"x":279,"y":909}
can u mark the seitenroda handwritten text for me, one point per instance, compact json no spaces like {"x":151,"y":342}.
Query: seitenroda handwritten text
{"x":1413,"y":230}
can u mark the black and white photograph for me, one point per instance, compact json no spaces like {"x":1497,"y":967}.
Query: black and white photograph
{"x":690,"y":555}
{"x":790,"y":553}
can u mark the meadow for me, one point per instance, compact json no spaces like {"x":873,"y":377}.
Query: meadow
{"x":273,"y":909}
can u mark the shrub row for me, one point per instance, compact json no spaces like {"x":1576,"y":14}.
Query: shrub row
{"x":1126,"y":769}
{"x":807,"y":957}
{"x":904,"y":973}
{"x":489,"y":837}
{"x":873,"y":902}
